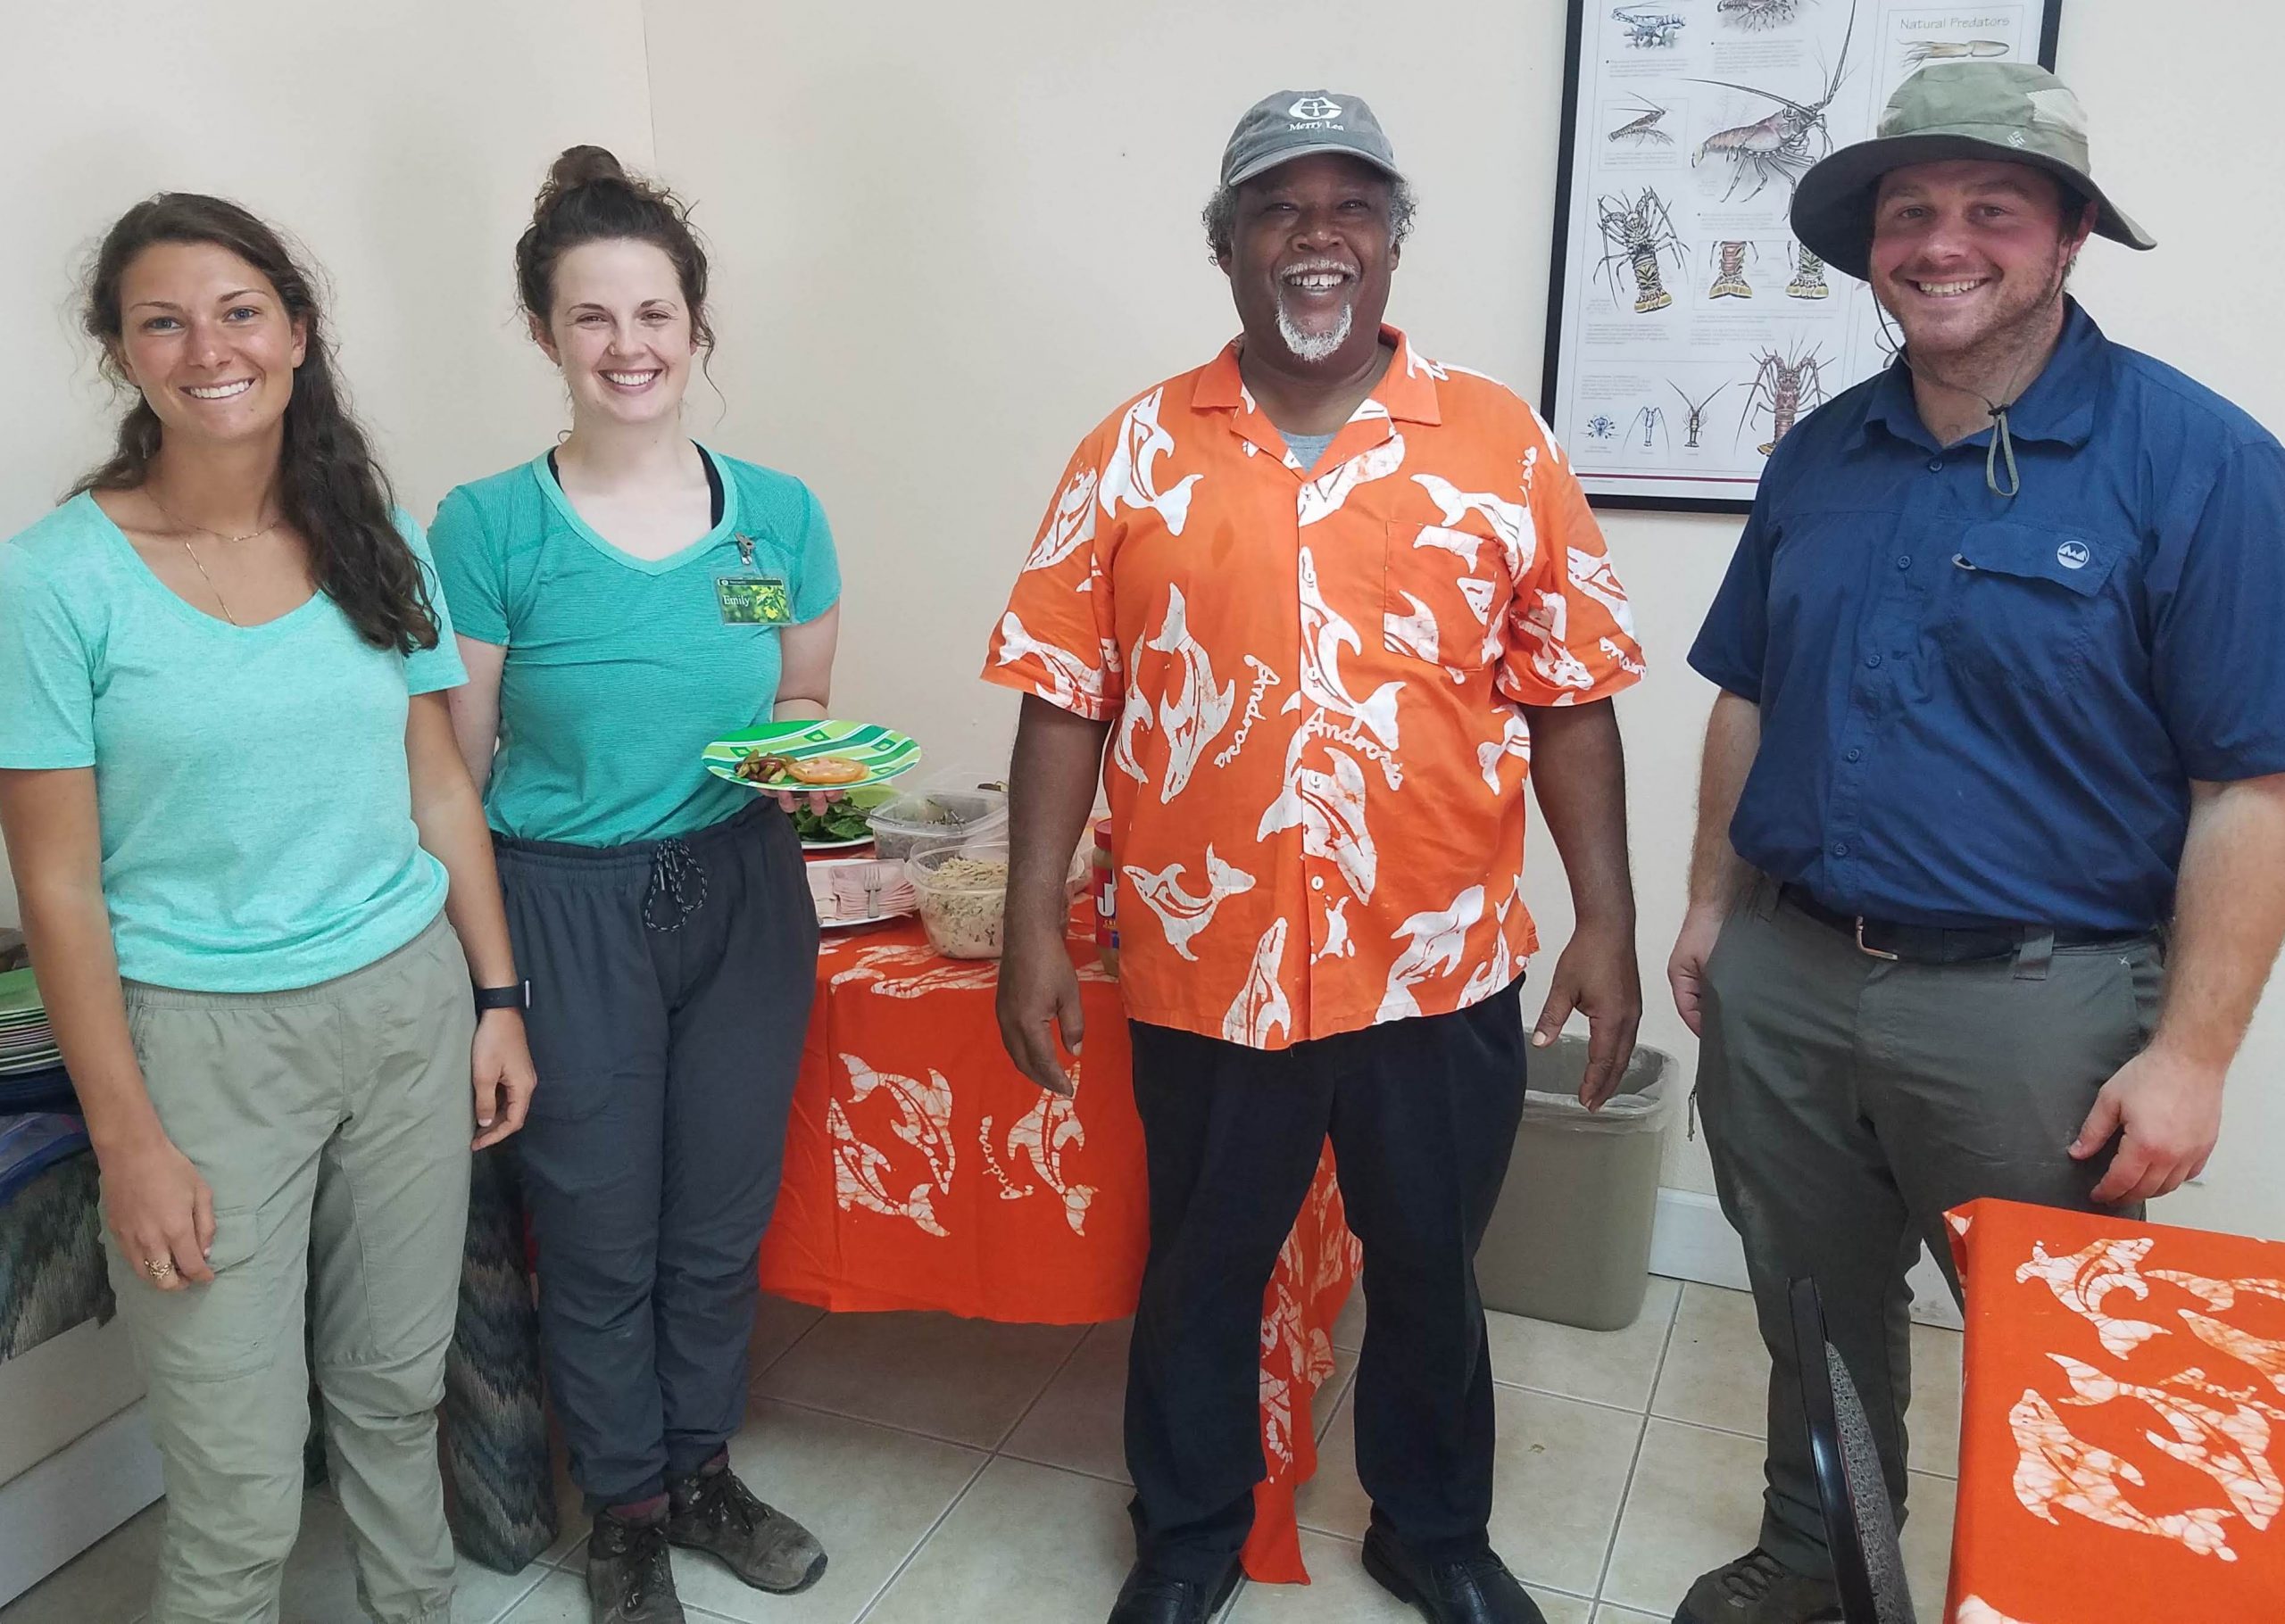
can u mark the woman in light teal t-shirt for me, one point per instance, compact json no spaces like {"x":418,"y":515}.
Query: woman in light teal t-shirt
{"x":238,"y":819}
{"x":604,"y":597}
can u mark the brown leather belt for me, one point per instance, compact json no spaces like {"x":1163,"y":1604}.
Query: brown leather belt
{"x":1926,"y":944}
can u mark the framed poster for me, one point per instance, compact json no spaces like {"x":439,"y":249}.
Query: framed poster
{"x":1687,"y":330}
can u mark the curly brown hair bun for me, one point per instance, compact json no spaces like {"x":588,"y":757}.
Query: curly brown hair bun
{"x":580,"y":166}
{"x":589,"y":197}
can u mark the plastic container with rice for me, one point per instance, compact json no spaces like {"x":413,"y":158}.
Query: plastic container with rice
{"x":963,"y":890}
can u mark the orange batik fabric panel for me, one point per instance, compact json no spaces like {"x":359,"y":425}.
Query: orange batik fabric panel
{"x":923,"y":1171}
{"x":1313,"y":679}
{"x":2122,"y":1438}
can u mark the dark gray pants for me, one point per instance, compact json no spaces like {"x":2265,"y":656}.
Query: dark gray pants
{"x":1850,"y":1100}
{"x":670,"y":992}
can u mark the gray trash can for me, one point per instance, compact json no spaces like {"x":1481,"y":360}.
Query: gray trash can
{"x":1570,"y":1240}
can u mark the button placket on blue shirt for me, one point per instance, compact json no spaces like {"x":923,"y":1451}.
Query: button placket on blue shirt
{"x":1896,"y":600}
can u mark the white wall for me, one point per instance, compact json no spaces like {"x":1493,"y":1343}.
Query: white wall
{"x":949,"y":238}
{"x":401,"y":144}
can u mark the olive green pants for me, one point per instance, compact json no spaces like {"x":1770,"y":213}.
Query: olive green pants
{"x":332,"y":1123}
{"x":1850,"y":1100}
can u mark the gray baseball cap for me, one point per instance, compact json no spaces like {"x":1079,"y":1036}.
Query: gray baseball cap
{"x":2010,"y":112}
{"x":1296,"y":123}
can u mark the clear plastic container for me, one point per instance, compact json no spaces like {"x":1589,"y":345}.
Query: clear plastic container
{"x":963,"y":911}
{"x":902,"y":827}
{"x":961,"y":908}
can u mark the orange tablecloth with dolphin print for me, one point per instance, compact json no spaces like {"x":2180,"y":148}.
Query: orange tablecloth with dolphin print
{"x":924,"y":1171}
{"x":2123,"y":1435}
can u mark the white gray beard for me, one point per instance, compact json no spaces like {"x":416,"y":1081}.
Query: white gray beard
{"x":1314,"y":347}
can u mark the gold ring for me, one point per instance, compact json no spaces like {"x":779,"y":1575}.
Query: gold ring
{"x":158,"y":1268}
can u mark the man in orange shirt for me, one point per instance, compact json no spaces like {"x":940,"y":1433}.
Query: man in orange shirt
{"x":1326,"y":599}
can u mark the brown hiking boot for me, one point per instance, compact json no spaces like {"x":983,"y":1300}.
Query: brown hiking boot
{"x":711,"y":1511}
{"x":630,"y":1579}
{"x":1758,"y":1589}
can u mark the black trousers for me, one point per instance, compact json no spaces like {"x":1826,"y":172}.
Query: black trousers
{"x":671,"y":982}
{"x":1421,"y":1115}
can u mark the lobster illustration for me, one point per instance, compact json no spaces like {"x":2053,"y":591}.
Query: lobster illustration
{"x":1784,"y":388}
{"x":1636,"y":234}
{"x":1730,"y":274}
{"x":1808,"y":276}
{"x":1694,"y":412}
{"x":1652,"y":424}
{"x":1757,"y":14}
{"x":1778,"y":146}
{"x":1649,"y":30}
{"x":1643,"y":131}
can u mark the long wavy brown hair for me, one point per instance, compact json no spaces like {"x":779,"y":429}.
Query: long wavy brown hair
{"x":331,"y":489}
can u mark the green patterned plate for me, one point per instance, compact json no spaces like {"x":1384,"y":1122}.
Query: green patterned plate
{"x":885,"y":752}
{"x":20,"y":997}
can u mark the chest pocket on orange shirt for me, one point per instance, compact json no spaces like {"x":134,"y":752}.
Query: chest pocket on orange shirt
{"x":1444,"y":595}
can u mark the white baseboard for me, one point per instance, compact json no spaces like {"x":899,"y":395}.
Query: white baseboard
{"x":57,"y":1509}
{"x":1691,"y":1241}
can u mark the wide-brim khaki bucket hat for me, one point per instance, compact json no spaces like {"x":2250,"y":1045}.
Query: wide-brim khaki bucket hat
{"x":2005,"y":112}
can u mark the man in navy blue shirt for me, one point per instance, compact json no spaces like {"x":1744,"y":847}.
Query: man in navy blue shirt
{"x":1991,"y":857}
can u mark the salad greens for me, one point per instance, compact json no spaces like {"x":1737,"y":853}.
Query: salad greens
{"x":844,"y":820}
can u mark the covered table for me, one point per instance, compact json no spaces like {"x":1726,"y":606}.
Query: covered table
{"x":2122,"y":1430}
{"x":924,"y":1171}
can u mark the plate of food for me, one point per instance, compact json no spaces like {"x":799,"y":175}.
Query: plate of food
{"x":843,"y":825}
{"x":839,"y":755}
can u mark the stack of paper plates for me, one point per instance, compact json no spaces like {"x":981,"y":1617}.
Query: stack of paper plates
{"x":27,"y":1041}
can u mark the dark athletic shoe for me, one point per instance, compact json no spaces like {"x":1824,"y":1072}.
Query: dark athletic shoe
{"x":1758,"y":1589}
{"x":712,"y":1512}
{"x":1150,"y":1597}
{"x":630,"y":1578}
{"x":1463,"y":1590}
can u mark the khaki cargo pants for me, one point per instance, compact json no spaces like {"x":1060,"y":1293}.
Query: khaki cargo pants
{"x":333,"y":1124}
{"x":1850,"y":1100}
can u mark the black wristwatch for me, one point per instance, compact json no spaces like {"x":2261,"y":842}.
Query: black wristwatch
{"x":518,"y":995}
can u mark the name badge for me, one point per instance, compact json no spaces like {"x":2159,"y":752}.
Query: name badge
{"x":753,"y":600}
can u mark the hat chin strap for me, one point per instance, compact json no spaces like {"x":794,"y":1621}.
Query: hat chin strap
{"x":2002,"y":443}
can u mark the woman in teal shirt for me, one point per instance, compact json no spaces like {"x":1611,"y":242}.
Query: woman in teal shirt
{"x":238,"y":826}
{"x":621,"y":601}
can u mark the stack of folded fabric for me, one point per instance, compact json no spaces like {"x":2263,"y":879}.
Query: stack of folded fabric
{"x":31,"y":1068}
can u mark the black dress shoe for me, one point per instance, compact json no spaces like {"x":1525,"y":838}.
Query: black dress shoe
{"x":1152,"y":1597}
{"x":1461,"y":1590}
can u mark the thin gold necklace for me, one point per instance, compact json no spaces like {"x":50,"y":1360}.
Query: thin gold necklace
{"x":211,"y":587}
{"x":206,"y":530}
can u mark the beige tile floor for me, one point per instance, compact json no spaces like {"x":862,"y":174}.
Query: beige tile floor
{"x":960,"y":1471}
